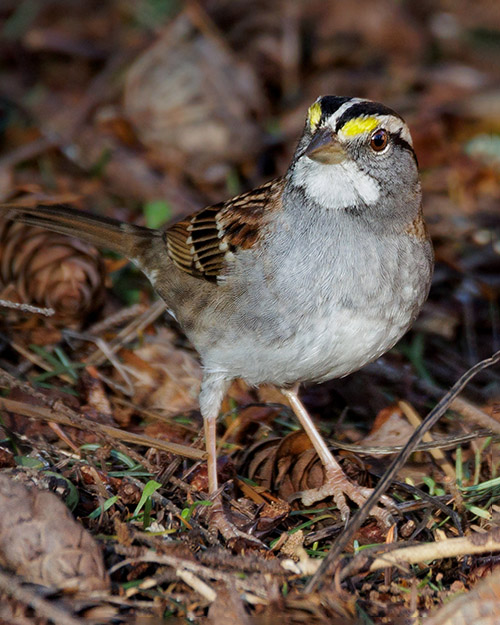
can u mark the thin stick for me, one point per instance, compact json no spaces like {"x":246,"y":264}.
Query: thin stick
{"x":122,"y":316}
{"x":415,"y":420}
{"x":59,"y":407}
{"x":330,"y":562}
{"x":58,"y":412}
{"x":81,"y":423}
{"x":250,"y":583}
{"x":196,"y":584}
{"x":451,"y":548}
{"x":443,"y":442}
{"x":7,"y":303}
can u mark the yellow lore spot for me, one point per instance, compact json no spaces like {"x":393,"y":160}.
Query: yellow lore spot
{"x":359,"y":125}
{"x":314,"y":115}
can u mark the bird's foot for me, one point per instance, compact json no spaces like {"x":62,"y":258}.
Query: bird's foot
{"x":339,"y":486}
{"x":235,"y":538}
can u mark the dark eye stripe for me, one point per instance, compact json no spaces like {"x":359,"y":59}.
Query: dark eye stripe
{"x":397,"y":139}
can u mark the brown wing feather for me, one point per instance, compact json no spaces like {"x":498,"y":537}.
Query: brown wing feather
{"x":202,"y":243}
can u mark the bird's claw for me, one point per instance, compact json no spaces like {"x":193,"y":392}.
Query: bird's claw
{"x":235,"y":538}
{"x":338,"y":486}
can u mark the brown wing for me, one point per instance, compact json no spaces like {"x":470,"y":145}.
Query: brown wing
{"x":203,"y":243}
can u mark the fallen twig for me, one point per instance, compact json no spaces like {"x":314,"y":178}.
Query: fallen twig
{"x":450,"y":548}
{"x":196,"y":584}
{"x":415,"y":420}
{"x":441,"y":442}
{"x":48,"y":312}
{"x":476,"y":543}
{"x":80,"y":422}
{"x":254,"y":584}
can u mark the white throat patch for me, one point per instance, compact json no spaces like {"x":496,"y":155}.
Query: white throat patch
{"x":335,"y":186}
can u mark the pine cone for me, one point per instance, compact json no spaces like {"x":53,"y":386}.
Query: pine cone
{"x":50,"y":270}
{"x":41,"y":541}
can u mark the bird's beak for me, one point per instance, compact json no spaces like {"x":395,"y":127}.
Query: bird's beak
{"x":325,"y":148}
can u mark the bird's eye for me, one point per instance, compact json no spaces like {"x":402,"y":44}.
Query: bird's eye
{"x":379,"y":140}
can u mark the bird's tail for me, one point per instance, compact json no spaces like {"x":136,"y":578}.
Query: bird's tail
{"x":125,"y":239}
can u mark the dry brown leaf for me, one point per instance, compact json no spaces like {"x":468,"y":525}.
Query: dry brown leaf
{"x":165,"y":377}
{"x":389,"y":428}
{"x":42,"y":542}
{"x":95,"y":393}
{"x":192,"y":102}
{"x":271,"y":511}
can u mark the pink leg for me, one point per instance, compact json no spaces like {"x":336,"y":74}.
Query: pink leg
{"x":336,"y":484}
{"x":211,"y":396}
{"x":211,"y":449}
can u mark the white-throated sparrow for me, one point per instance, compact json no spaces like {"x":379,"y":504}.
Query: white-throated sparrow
{"x":306,"y":278}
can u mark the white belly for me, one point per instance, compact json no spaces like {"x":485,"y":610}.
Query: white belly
{"x":322,"y":349}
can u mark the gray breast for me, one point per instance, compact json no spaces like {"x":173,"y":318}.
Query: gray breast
{"x":317,"y":302}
